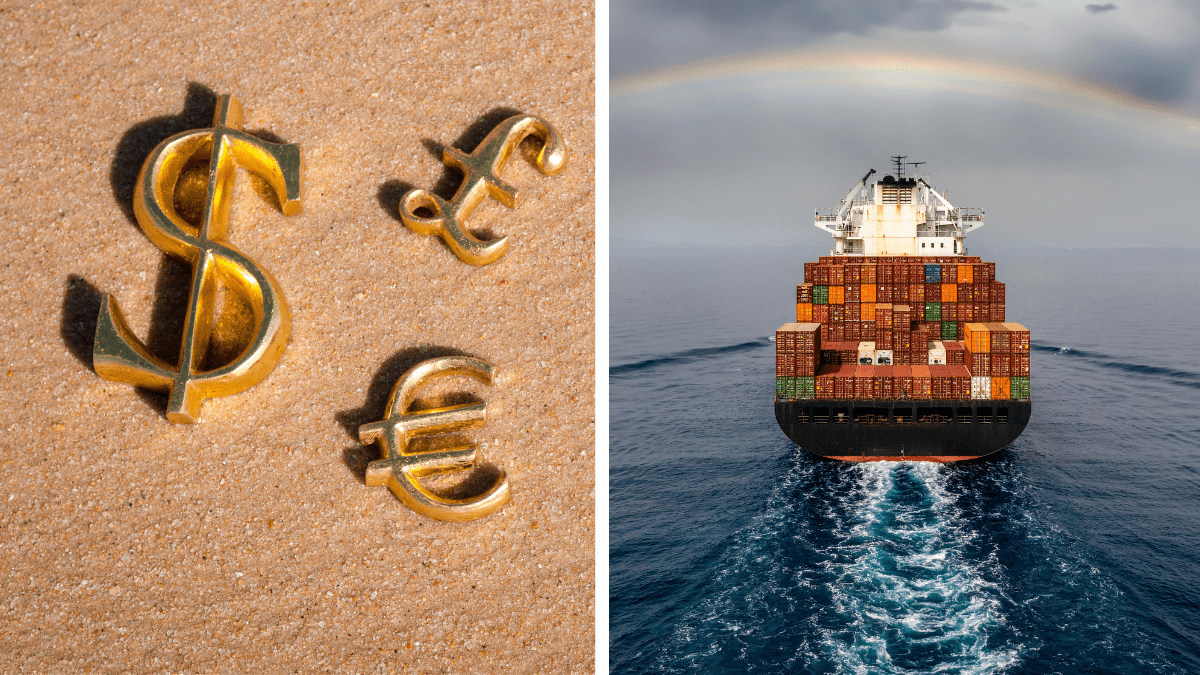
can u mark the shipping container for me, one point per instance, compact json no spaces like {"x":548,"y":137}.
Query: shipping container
{"x":981,"y":387}
{"x":902,"y":382}
{"x":806,"y":388}
{"x":933,"y":312}
{"x":853,"y":292}
{"x":825,"y":382}
{"x":933,"y":274}
{"x":837,"y":295}
{"x":804,"y":312}
{"x":883,"y":357}
{"x":864,"y":386}
{"x":1018,"y":337}
{"x":866,"y":353}
{"x":868,"y":292}
{"x":922,"y":382}
{"x":977,"y":338}
{"x":804,"y":293}
{"x":966,"y":274}
{"x":1000,"y":388}
{"x":937,"y":354}
{"x":949,"y":330}
{"x":868,"y":274}
{"x":867,"y":313}
{"x":882,"y":382}
{"x":820,"y":295}
{"x":949,"y":292}
{"x":1019,"y":388}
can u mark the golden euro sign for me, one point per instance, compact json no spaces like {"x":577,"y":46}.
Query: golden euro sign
{"x":399,"y":469}
{"x":118,"y":355}
{"x":481,"y":177}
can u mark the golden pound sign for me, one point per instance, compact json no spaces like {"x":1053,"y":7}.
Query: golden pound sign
{"x":399,"y":469}
{"x":118,"y":355}
{"x":481,"y":177}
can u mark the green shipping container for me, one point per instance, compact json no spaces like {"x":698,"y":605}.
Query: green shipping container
{"x":1019,"y":388}
{"x":949,"y":330}
{"x":785,"y":388}
{"x":933,"y":311}
{"x":820,"y":295}
{"x":806,"y":387}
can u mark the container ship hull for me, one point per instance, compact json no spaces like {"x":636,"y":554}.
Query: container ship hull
{"x":861,"y":430}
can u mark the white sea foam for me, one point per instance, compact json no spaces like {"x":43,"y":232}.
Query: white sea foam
{"x":909,"y":599}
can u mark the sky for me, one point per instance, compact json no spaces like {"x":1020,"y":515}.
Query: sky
{"x":1069,"y":123}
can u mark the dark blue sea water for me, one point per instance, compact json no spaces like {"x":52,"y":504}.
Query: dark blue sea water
{"x":1076,"y":550}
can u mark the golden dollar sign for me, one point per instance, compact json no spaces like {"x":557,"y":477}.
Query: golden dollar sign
{"x":118,"y":355}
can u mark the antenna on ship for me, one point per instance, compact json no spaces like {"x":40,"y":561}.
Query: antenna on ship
{"x":898,"y":160}
{"x":914,"y":166}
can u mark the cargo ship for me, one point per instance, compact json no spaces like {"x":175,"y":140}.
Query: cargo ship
{"x":901,"y":349}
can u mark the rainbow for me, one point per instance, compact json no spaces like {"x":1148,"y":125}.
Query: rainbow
{"x":809,"y":67}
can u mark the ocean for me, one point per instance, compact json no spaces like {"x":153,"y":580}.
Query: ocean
{"x":1075,"y":550}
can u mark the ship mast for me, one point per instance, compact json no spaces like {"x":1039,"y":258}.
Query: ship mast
{"x":898,"y":215}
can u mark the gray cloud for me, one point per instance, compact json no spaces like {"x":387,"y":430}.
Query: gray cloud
{"x":1096,"y":9}
{"x":1165,"y":75}
{"x":657,"y":33}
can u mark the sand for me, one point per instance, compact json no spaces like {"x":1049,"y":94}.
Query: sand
{"x":249,"y":542}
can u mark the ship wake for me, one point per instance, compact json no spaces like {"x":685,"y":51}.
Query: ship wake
{"x":688,"y":356}
{"x":850,"y":569}
{"x":905,"y":597}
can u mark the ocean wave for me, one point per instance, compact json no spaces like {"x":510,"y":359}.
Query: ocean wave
{"x":687,"y":356}
{"x":1183,"y":378}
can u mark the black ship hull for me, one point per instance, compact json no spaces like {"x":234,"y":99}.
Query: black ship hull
{"x":862,"y":430}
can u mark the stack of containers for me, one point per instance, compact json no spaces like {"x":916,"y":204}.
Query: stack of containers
{"x":912,"y":312}
{"x":797,"y":356}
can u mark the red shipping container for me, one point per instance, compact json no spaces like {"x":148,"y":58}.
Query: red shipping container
{"x":810,"y":271}
{"x":853,"y":310}
{"x":883,"y":315}
{"x":882,"y":382}
{"x":902,"y":340}
{"x":863,"y":381}
{"x":837,"y":314}
{"x":990,"y":270}
{"x":1002,"y":365}
{"x":837,"y":332}
{"x":916,"y":294}
{"x":999,"y":335}
{"x":837,"y":275}
{"x":806,"y":365}
{"x":820,"y":313}
{"x":962,"y":382}
{"x":900,"y":295}
{"x":826,"y":379}
{"x":902,"y":382}
{"x":997,"y":315}
{"x":983,"y":294}
{"x":900,"y":274}
{"x":902,"y":317}
{"x":885,"y":293}
{"x":869,"y":274}
{"x":1020,"y":364}
{"x":998,"y":291}
{"x":966,"y":292}
{"x":943,"y":386}
{"x":853,"y":273}
{"x":949,"y":311}
{"x":1018,"y":337}
{"x":949,"y":274}
{"x":933,"y":292}
{"x":851,"y":330}
{"x":886,"y":273}
{"x":922,"y":382}
{"x":883,"y":339}
{"x":980,"y":365}
{"x":821,"y":275}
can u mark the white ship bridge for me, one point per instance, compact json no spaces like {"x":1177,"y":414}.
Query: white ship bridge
{"x":898,"y":215}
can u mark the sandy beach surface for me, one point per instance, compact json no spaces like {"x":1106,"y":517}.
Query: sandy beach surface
{"x":249,"y":542}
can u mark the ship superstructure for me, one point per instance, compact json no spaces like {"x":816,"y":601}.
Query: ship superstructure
{"x":901,"y":348}
{"x":898,"y":215}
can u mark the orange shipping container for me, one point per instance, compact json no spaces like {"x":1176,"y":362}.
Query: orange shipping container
{"x":949,"y":292}
{"x":804,"y":312}
{"x":867,"y":313}
{"x":977,"y":338}
{"x":1000,"y":389}
{"x":965,"y":274}
{"x":837,"y":295}
{"x":869,"y":292}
